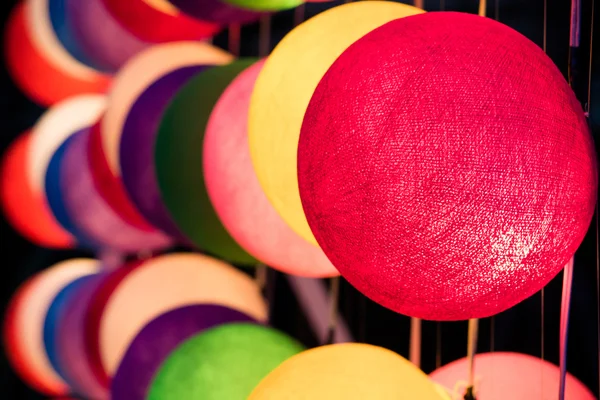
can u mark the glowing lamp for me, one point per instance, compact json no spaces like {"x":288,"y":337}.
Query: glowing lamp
{"x":236,"y":195}
{"x":285,"y":86}
{"x":216,"y":11}
{"x":104,"y":40}
{"x":345,"y":372}
{"x":39,"y":64}
{"x":138,"y":74}
{"x":225,"y":362}
{"x":509,"y":375}
{"x":265,"y":5}
{"x":445,"y":206}
{"x":158,"y":21}
{"x":137,"y":147}
{"x":73,"y":359}
{"x":165,"y":282}
{"x":90,"y":211}
{"x":158,"y":339}
{"x":26,"y":210}
{"x":24,"y":323}
{"x":179,"y":163}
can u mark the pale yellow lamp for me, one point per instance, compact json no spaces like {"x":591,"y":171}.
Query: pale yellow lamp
{"x":349,"y":371}
{"x":285,"y":86}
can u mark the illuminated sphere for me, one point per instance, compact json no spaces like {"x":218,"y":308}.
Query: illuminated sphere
{"x":349,"y":371}
{"x":225,"y":362}
{"x":73,"y":359}
{"x":440,"y":192}
{"x":236,"y":195}
{"x":24,"y":324}
{"x":158,"y":21}
{"x":104,"y":40}
{"x":179,"y":161}
{"x":155,"y":342}
{"x":39,"y":64}
{"x":285,"y":86}
{"x":26,"y":210}
{"x":216,"y":11}
{"x":90,"y":211}
{"x":265,"y":5}
{"x":499,"y":376}
{"x":166,"y":282}
{"x":137,"y":147}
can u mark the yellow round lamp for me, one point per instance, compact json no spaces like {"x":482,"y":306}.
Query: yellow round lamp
{"x":349,"y":371}
{"x":285,"y":87}
{"x":139,"y":73}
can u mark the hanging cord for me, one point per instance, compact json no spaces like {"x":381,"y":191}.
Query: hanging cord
{"x":264,"y":36}
{"x":420,"y":4}
{"x":334,"y":298}
{"x":438,"y":345}
{"x":482,"y":8}
{"x":234,"y":39}
{"x":471,"y":350}
{"x":564,"y":325}
{"x":414,"y":353}
{"x":299,"y":14}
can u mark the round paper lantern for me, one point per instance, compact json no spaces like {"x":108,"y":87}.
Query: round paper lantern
{"x":54,"y":196}
{"x":453,"y":214}
{"x":285,"y":86}
{"x":265,"y":5}
{"x":138,"y":74}
{"x":179,"y":163}
{"x":24,"y":320}
{"x":106,"y":42}
{"x":90,"y":211}
{"x":25,"y":209}
{"x":158,"y":21}
{"x":158,"y":339}
{"x":137,"y":147}
{"x":236,"y":195}
{"x":164,"y":283}
{"x":225,"y":362}
{"x":54,"y":127}
{"x":510,"y":375}
{"x":72,"y":355}
{"x":51,"y":326}
{"x":216,"y":11}
{"x":39,"y":64}
{"x":346,"y":371}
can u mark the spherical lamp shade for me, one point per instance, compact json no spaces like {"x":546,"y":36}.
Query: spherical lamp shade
{"x":236,"y":195}
{"x":179,"y":163}
{"x":26,"y":210}
{"x":345,"y":372}
{"x":54,"y":319}
{"x":216,"y":11}
{"x":265,"y":5}
{"x":24,"y":324}
{"x":453,"y":214}
{"x":285,"y":86}
{"x":509,"y":375}
{"x":54,"y":127}
{"x":158,"y":339}
{"x":37,"y":62}
{"x":225,"y":362}
{"x":90,"y":211}
{"x":105,"y":41}
{"x":158,"y":21}
{"x":56,"y":201}
{"x":137,"y":147}
{"x":164,"y":283}
{"x":73,"y":359}
{"x":141,"y":72}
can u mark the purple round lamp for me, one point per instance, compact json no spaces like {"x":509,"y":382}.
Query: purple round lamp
{"x":136,"y":150}
{"x":90,"y":211}
{"x":158,"y":339}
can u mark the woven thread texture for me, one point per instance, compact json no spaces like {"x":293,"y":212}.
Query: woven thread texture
{"x":445,"y":167}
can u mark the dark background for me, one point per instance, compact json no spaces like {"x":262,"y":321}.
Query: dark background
{"x":515,"y":330}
